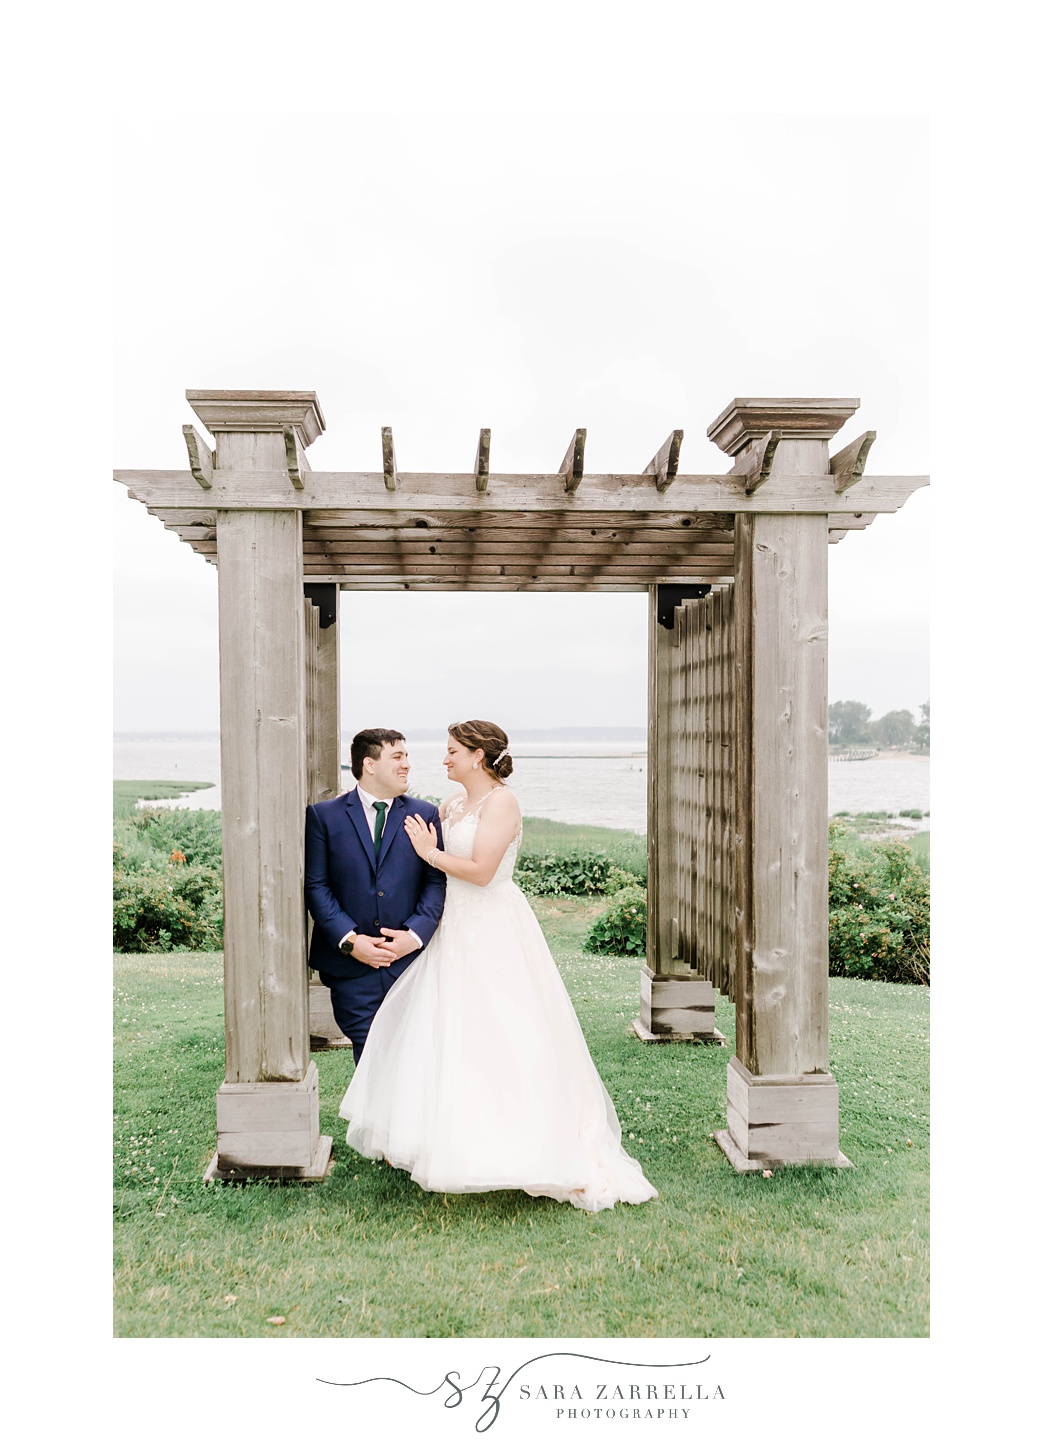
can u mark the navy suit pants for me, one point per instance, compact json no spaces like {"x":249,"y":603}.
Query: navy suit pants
{"x":355,"y":1000}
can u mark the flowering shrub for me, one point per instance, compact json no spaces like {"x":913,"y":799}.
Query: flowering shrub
{"x":620,"y":929}
{"x":160,"y":908}
{"x":879,"y":910}
{"x":196,"y":835}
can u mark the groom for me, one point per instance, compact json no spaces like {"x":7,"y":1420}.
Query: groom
{"x":374,"y":902}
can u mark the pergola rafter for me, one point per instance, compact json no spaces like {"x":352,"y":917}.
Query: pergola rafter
{"x":735,"y":567}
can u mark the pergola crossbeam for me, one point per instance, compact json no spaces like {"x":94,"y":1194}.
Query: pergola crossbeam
{"x":445,"y":495}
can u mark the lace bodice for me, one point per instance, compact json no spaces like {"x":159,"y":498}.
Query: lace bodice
{"x":458,"y":833}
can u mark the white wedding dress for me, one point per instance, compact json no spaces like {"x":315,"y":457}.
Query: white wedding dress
{"x":476,"y":1074}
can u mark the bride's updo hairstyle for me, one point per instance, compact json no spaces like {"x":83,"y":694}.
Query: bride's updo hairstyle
{"x":482,"y":735}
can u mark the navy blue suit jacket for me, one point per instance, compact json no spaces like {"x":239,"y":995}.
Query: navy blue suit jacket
{"x":347,"y":889}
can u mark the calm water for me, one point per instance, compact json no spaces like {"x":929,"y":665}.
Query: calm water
{"x":599,"y":783}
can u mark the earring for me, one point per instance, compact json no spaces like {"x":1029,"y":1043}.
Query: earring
{"x":474,"y":764}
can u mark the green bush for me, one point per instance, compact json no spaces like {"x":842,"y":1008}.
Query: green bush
{"x":879,"y":910}
{"x":621,"y":928}
{"x":163,"y":908}
{"x":570,"y":874}
{"x":196,"y":834}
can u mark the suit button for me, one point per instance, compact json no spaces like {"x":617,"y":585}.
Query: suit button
{"x":380,"y":894}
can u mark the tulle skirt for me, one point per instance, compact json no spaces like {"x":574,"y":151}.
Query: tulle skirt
{"x":476,"y":1075}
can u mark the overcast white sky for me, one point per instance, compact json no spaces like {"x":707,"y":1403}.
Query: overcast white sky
{"x":531,"y":274}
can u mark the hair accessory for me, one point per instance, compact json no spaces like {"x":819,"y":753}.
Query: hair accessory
{"x":500,"y":757}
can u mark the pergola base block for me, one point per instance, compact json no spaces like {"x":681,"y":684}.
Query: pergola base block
{"x":783,"y":1118}
{"x":742,"y":1165}
{"x":647,"y":1036}
{"x":322,"y":1025}
{"x":675,"y":1008}
{"x":312,"y":1173}
{"x":270,"y":1128}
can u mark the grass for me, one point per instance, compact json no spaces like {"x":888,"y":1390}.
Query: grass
{"x":126,"y":794}
{"x":808,"y":1252}
{"x":625,"y":848}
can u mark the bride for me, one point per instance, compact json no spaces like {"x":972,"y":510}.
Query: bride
{"x":476,"y":1074}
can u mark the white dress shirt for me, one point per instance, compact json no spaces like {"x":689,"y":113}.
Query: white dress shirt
{"x":369,"y":806}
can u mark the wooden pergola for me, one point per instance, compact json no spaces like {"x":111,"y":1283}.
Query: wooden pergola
{"x":735,"y":567}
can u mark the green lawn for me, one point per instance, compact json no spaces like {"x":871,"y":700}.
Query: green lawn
{"x":126,"y":794}
{"x":368,"y":1253}
{"x":627,"y":848}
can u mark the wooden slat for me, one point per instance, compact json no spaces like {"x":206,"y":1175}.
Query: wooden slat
{"x":387,"y":446}
{"x":296,"y":463}
{"x":755,"y":462}
{"x":728,"y":840}
{"x":200,"y":459}
{"x":648,"y":573}
{"x":713,"y":789}
{"x":562,"y":517}
{"x":848,"y":465}
{"x":323,"y":702}
{"x":481,"y":462}
{"x":504,"y":533}
{"x":663,"y":467}
{"x":572,"y":463}
{"x":524,"y":556}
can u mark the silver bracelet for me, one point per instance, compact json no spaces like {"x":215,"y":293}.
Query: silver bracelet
{"x":431,"y":858}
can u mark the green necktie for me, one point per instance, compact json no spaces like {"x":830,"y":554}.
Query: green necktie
{"x":381,"y":809}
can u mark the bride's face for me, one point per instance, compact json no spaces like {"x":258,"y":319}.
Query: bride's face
{"x":457,"y":761}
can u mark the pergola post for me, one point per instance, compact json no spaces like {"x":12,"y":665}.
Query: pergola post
{"x":322,"y":689}
{"x":268,"y":1105}
{"x":782,"y":1099}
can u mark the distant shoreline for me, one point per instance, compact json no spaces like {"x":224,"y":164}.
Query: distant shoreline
{"x":887,"y":756}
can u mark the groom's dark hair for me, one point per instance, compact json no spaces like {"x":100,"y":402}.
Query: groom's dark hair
{"x":370,"y":743}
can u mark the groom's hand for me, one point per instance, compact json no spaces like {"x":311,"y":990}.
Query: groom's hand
{"x":401,"y":942}
{"x":373,"y":951}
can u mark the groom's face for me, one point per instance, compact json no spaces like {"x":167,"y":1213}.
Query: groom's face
{"x":390,"y":774}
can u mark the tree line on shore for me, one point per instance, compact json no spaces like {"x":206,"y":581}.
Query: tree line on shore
{"x":851,"y":723}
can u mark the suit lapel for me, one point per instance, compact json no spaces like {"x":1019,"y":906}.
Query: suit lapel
{"x":357,"y":815}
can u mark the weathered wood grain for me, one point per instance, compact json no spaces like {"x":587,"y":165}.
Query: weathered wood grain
{"x":296,"y":462}
{"x":387,"y":446}
{"x":441,"y":494}
{"x":200,"y":459}
{"x":258,"y":410}
{"x":781,"y":860}
{"x":323,"y":707}
{"x":572,"y":463}
{"x":848,"y":465}
{"x":663,"y":467}
{"x":263,"y":746}
{"x":755,"y":462}
{"x":481,"y":461}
